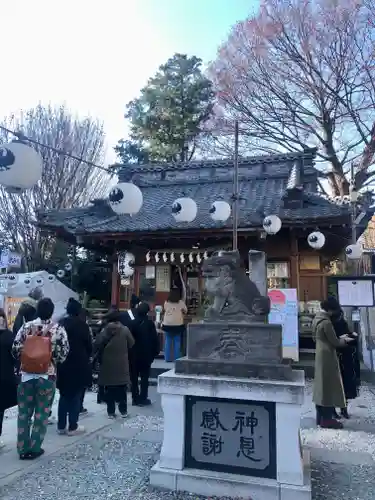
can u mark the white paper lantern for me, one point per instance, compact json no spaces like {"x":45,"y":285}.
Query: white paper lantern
{"x":272,"y":224}
{"x":220,"y":211}
{"x":21,"y":166}
{"x":316,"y":240}
{"x":126,"y":198}
{"x":39,"y":281}
{"x":354,"y":251}
{"x":12,"y":279}
{"x":184,"y":210}
{"x":68,"y":267}
{"x":27,"y":281}
{"x":60,"y":273}
{"x":125,"y":264}
{"x":51,"y":278}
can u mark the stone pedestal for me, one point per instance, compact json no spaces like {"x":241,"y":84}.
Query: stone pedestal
{"x":234,"y":437}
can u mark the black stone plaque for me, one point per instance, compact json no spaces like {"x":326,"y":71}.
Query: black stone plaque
{"x":231,"y":435}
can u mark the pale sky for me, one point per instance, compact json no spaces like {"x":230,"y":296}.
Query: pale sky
{"x":96,"y":55}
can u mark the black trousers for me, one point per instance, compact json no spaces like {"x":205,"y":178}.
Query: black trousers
{"x":68,"y":410}
{"x":82,"y":399}
{"x":100,"y":397}
{"x":116,"y":394}
{"x":139,"y":371}
{"x":325,"y":412}
{"x":1,"y":421}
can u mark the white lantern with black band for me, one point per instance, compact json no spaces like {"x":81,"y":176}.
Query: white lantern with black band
{"x":184,"y":209}
{"x":125,"y":198}
{"x":21,"y":166}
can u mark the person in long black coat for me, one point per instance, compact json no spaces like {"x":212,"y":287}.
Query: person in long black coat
{"x":8,"y":378}
{"x":349,"y":361}
{"x":142,"y":354}
{"x":74,"y":375}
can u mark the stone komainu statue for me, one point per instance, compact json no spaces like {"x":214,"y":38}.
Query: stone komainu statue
{"x":236,"y":297}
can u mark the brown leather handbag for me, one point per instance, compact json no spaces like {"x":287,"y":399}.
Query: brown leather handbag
{"x":36,"y":353}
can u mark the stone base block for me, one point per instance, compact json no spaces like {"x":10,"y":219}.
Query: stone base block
{"x":237,"y":342}
{"x":210,"y":484}
{"x":263,"y":371}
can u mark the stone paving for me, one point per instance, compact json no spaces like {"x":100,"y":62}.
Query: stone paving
{"x":114,"y":460}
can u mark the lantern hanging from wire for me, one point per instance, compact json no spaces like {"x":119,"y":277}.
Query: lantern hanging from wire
{"x":126,"y":262}
{"x":354,"y":252}
{"x":272,"y":224}
{"x":125,"y":198}
{"x":316,"y":240}
{"x":21,"y":166}
{"x":184,"y":209}
{"x":220,"y":211}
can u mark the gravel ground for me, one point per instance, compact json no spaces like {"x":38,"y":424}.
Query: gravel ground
{"x":108,"y":468}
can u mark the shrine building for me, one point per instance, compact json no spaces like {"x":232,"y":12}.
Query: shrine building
{"x":285,"y":185}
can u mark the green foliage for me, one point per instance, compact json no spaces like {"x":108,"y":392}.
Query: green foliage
{"x":167,"y":119}
{"x":91,"y":273}
{"x":131,"y":152}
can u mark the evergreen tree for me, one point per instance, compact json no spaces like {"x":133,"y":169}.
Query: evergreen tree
{"x":167,"y":119}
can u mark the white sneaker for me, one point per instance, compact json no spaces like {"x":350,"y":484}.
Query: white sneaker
{"x":80,"y":430}
{"x":62,"y":432}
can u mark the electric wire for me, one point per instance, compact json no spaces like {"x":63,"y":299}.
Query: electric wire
{"x":23,"y":137}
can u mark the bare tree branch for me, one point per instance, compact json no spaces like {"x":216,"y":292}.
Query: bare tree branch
{"x":65,"y":182}
{"x":299,"y":74}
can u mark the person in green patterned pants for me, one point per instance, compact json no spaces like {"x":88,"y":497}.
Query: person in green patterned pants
{"x":34,"y":398}
{"x":36,"y":391}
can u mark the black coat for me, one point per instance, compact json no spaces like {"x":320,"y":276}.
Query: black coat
{"x":146,"y":346}
{"x":348,"y":359}
{"x":8,"y":379}
{"x":26,"y":313}
{"x":75,"y":373}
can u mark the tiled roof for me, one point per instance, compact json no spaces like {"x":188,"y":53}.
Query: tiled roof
{"x":263,"y":187}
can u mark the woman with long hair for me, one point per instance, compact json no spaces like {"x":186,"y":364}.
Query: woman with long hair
{"x":328,"y":392}
{"x":8,"y":379}
{"x":173,"y":325}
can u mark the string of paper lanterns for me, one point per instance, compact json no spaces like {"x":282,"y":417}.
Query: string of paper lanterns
{"x":126,"y":199}
{"x":37,"y":281}
{"x":272,"y":225}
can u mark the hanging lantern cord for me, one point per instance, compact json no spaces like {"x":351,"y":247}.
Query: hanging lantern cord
{"x":23,"y":138}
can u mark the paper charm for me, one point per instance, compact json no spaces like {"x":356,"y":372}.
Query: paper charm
{"x":191,"y":257}
{"x":148,"y":257}
{"x":182,"y":258}
{"x":172,"y":257}
{"x":157,"y":258}
{"x":165,"y":257}
{"x":205,"y":255}
{"x":199,"y":259}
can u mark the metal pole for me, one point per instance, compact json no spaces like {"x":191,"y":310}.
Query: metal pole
{"x":73,"y":270}
{"x":354,"y":208}
{"x":235,"y":188}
